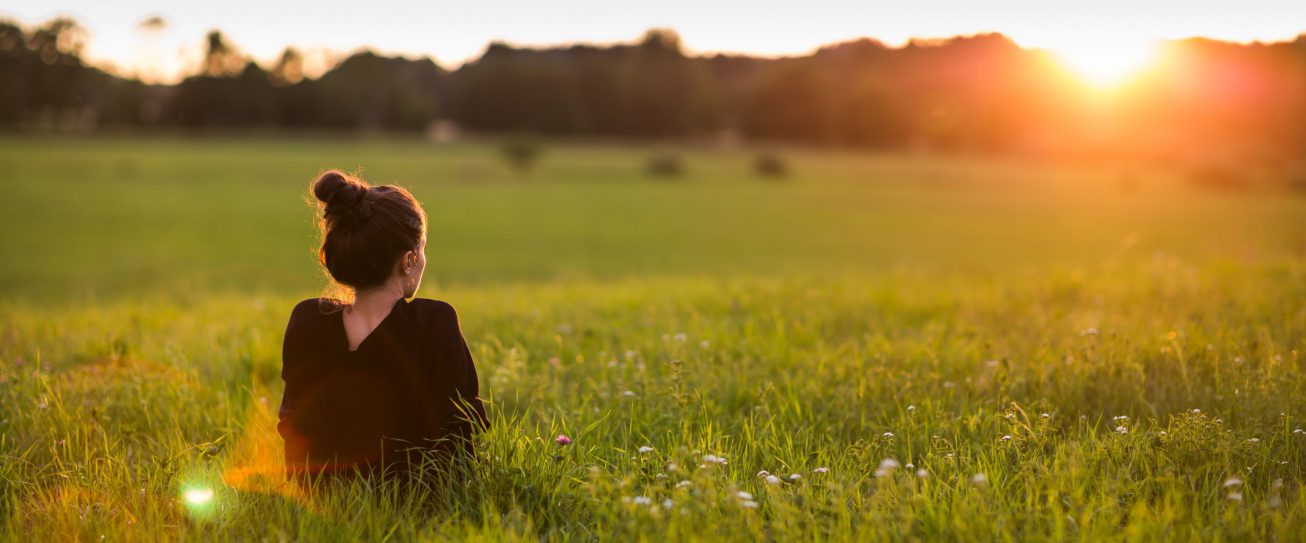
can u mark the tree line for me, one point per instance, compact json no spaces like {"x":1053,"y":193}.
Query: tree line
{"x":980,"y":92}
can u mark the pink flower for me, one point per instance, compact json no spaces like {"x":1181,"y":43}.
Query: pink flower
{"x":563,"y":439}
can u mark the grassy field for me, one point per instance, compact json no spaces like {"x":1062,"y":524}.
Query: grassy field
{"x":918,"y":348}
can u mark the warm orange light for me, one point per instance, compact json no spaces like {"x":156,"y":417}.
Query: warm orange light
{"x":1108,"y":63}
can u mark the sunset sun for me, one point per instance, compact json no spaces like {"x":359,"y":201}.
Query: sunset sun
{"x":1107,"y":64}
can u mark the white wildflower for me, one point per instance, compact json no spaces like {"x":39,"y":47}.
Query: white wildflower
{"x":772,"y":480}
{"x":643,"y":500}
{"x":795,"y":476}
{"x":1122,"y":430}
{"x":821,"y":470}
{"x":645,"y":449}
{"x":1236,"y":496}
{"x":762,"y":474}
{"x":1232,"y":481}
{"x":750,"y":504}
{"x":743,"y":495}
{"x":922,"y":473}
{"x":684,"y":484}
{"x":667,"y":503}
{"x":979,"y":479}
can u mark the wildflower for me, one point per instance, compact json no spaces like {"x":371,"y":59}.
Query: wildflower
{"x":645,"y":449}
{"x":1088,"y":332}
{"x":991,"y":363}
{"x":1196,"y":411}
{"x":1006,"y":438}
{"x":743,"y":495}
{"x":772,"y":480}
{"x":794,"y":476}
{"x":1232,"y":481}
{"x":1122,"y":430}
{"x":911,"y":408}
{"x":562,"y":439}
{"x":660,"y":476}
{"x":667,"y":503}
{"x":909,"y":466}
{"x":673,"y":466}
{"x":1236,"y":496}
{"x":750,"y":504}
{"x":922,"y":473}
{"x":1162,"y":433}
{"x":1044,"y":416}
{"x":888,"y":435}
{"x":1120,"y":418}
{"x":642,"y":500}
{"x":1253,"y":440}
{"x":979,"y":479}
{"x":628,"y":394}
{"x":714,"y":459}
{"x":886,"y":467}
{"x":681,"y":337}
{"x":1278,"y":483}
{"x":763,"y":474}
{"x":821,"y":470}
{"x":684,"y":484}
{"x":705,"y":344}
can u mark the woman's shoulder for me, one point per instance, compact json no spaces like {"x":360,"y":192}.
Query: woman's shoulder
{"x":433,"y":309}
{"x":314,"y":309}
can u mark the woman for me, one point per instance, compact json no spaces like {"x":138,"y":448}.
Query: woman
{"x":378,"y":384}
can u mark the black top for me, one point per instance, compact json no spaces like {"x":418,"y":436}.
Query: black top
{"x":411,"y":384}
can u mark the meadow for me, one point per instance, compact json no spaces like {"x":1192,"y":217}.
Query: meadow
{"x":875,"y":347}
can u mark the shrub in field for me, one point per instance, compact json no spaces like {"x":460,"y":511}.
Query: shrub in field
{"x":521,"y":152}
{"x":1217,"y":176}
{"x":770,"y":165}
{"x":665,"y":165}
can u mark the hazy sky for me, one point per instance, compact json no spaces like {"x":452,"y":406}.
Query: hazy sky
{"x":453,"y":32}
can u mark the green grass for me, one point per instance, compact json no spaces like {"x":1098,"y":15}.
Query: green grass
{"x":870,"y":307}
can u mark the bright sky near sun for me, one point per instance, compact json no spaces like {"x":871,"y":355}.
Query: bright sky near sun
{"x":1099,"y":37}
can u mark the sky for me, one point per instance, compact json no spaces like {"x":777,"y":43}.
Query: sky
{"x":455,"y":32}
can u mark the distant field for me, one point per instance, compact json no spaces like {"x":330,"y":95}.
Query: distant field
{"x":107,"y":218}
{"x":1063,"y":352}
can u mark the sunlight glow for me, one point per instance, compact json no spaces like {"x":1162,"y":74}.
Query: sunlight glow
{"x":198,"y":496}
{"x":1108,"y":64}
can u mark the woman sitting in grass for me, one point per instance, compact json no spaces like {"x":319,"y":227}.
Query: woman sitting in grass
{"x":379,"y":384}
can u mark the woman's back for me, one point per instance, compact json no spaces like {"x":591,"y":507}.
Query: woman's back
{"x":409,"y":386}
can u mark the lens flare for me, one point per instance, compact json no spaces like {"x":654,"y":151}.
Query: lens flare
{"x":198,"y":496}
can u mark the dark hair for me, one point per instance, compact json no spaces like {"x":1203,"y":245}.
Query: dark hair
{"x":365,"y":229}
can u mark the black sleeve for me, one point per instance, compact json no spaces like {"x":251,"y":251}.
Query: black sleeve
{"x":291,"y":351}
{"x":459,"y":410}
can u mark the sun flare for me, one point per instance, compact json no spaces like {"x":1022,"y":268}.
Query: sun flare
{"x":1108,"y":64}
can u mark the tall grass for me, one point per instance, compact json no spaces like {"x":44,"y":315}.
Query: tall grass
{"x":881,"y":348}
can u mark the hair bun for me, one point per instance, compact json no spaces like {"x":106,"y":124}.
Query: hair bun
{"x":341,"y":194}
